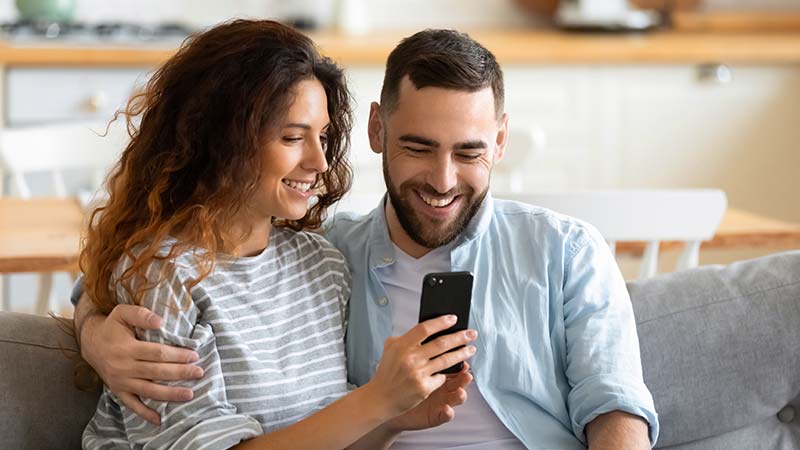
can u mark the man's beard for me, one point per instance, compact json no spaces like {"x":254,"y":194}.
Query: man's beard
{"x":430,"y":234}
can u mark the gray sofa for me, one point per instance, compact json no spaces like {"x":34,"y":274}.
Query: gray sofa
{"x":720,"y":352}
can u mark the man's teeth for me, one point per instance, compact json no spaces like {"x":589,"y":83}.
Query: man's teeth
{"x":437,"y":203}
{"x":302,"y":187}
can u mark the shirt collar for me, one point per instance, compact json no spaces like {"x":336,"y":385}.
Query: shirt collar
{"x":382,"y":252}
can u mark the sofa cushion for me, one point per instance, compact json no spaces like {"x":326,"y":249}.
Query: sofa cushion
{"x":41,"y":408}
{"x":720,"y":353}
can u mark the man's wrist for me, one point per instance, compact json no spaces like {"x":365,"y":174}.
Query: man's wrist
{"x":83,"y":321}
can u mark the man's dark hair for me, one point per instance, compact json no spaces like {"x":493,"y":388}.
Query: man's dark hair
{"x":445,"y":59}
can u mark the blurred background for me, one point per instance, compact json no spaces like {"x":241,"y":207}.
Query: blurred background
{"x":603,"y":95}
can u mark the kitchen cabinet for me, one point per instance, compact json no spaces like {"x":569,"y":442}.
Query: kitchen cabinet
{"x":36,"y":95}
{"x":651,"y":126}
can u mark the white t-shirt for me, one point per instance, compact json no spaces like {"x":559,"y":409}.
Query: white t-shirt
{"x":475,"y":425}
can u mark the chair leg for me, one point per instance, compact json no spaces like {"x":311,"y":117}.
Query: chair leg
{"x":45,"y":291}
{"x":5,"y":300}
{"x":649,"y":260}
{"x":690,"y":256}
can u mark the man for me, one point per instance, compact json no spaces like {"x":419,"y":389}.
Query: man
{"x":558,"y":362}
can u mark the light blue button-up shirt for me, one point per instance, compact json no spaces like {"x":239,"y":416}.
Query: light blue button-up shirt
{"x":557,"y":343}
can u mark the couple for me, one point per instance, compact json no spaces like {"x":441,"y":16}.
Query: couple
{"x":206,"y":227}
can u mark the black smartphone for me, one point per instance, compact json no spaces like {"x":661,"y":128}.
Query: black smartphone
{"x":446,"y":293}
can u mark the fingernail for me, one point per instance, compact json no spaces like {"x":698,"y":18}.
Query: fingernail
{"x":197,"y":372}
{"x":471,"y":349}
{"x":154,"y":321}
{"x":451,"y":318}
{"x":193,"y":357}
{"x":472,"y":334}
{"x":187,"y":395}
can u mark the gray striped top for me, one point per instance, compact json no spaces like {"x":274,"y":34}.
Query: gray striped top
{"x":269,"y":330}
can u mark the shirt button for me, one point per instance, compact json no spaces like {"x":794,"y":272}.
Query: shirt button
{"x":388,"y":259}
{"x":787,"y":414}
{"x":383,"y":301}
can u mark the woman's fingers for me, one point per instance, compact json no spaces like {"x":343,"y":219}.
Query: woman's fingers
{"x":448,"y":342}
{"x":448,"y":359}
{"x":423,"y":330}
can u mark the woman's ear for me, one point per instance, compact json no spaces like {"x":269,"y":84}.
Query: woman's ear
{"x":375,"y":128}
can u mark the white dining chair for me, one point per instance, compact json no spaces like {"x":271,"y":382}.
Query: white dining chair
{"x":691,"y":216}
{"x":524,"y":143}
{"x":52,"y":150}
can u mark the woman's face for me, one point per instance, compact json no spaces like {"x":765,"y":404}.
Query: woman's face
{"x":295,"y":155}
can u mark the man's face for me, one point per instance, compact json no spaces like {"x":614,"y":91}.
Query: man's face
{"x":438,"y":147}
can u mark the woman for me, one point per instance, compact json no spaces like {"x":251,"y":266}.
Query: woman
{"x":204,"y":227}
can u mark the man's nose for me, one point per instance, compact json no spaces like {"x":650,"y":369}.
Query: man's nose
{"x":442,"y":175}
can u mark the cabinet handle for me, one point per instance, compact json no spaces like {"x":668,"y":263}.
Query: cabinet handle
{"x":96,"y":102}
{"x":714,"y":73}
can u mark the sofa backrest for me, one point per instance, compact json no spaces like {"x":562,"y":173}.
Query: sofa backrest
{"x":720,"y":352}
{"x":41,"y":407}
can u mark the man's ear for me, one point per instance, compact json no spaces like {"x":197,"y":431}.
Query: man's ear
{"x":501,"y":140}
{"x":375,"y":128}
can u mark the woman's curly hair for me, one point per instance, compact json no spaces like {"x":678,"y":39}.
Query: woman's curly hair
{"x":194,"y":158}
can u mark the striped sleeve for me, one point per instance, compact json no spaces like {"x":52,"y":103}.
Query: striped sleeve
{"x":208,"y":421}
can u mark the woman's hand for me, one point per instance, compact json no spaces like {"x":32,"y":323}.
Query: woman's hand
{"x":437,"y":409}
{"x":407,"y":373}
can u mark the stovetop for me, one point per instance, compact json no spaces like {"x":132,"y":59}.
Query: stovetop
{"x":93,"y":33}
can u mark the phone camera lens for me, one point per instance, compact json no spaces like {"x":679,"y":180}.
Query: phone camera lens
{"x":432,"y":281}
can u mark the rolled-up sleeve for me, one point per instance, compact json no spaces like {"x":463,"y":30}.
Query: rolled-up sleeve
{"x":603,"y":360}
{"x":208,"y":421}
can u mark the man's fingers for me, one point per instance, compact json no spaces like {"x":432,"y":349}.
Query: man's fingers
{"x":457,"y":397}
{"x":136,"y":316}
{"x":136,"y":405}
{"x":160,"y":392}
{"x":166,"y":371}
{"x":160,"y":353}
{"x":460,"y":380}
{"x":446,"y":414}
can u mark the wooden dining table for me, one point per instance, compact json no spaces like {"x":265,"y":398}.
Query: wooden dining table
{"x":40,"y":235}
{"x":43,"y":234}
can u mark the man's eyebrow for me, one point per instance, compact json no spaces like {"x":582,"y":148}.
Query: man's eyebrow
{"x":470,"y":145}
{"x":413,"y":138}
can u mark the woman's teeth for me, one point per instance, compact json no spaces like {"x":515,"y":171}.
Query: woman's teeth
{"x":437,"y":203}
{"x":302,"y":187}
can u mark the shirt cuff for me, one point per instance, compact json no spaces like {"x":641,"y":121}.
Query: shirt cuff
{"x":220,"y":433}
{"x":601,"y":394}
{"x":77,"y":291}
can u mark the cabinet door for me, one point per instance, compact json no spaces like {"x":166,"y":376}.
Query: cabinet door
{"x":41,"y":95}
{"x":679,"y":129}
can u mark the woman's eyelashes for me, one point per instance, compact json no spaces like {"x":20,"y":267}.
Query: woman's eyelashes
{"x":323,"y":140}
